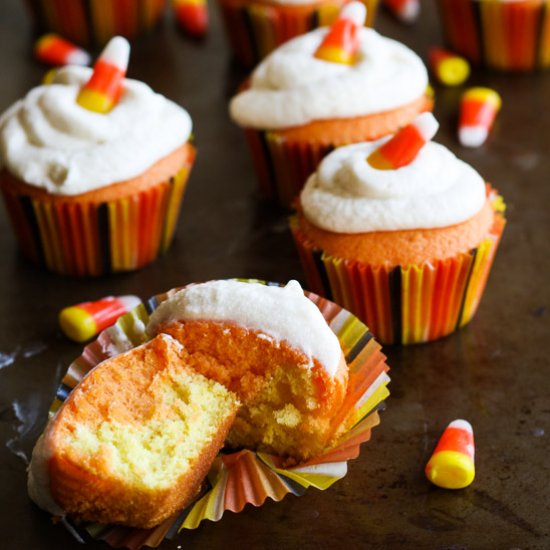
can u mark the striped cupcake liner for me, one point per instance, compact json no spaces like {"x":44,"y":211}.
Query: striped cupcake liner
{"x":509,"y":36}
{"x":89,"y":238}
{"x":405,"y":304}
{"x":94,"y":22}
{"x":246,"y":477}
{"x":283,"y":167}
{"x":256,"y":28}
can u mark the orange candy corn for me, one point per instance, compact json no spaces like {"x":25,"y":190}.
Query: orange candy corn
{"x":102,"y":92}
{"x":54,"y":50}
{"x":403,"y":147}
{"x":478,"y":109}
{"x":84,"y":321}
{"x":405,"y":10}
{"x":449,"y":69}
{"x":342,"y":41}
{"x":192,"y":16}
{"x":451,"y":465}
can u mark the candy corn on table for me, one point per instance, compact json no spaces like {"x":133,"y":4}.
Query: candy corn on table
{"x":494,"y":373}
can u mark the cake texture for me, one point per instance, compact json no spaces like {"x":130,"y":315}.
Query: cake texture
{"x":272,"y":348}
{"x":134,"y":440}
{"x":408,"y":250}
{"x":91,"y":193}
{"x":296,"y":108}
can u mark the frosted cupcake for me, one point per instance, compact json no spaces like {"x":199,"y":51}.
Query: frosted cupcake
{"x":255,"y":28}
{"x":94,"y":23}
{"x":408,"y":250}
{"x":508,"y":35}
{"x":91,"y":193}
{"x":298,"y":107}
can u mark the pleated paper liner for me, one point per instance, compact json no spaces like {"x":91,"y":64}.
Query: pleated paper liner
{"x":405,"y":304}
{"x":508,"y":36}
{"x":88,"y":238}
{"x":255,"y":28}
{"x":94,"y":22}
{"x":245,"y":477}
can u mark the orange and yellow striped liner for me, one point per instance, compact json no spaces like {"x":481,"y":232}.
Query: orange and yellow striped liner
{"x":405,"y":304}
{"x":255,"y":28}
{"x":246,"y":477}
{"x":94,"y":22}
{"x":508,"y":36}
{"x":88,"y":238}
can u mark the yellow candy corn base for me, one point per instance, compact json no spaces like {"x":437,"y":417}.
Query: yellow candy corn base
{"x":254,"y":28}
{"x":406,"y":304}
{"x":94,"y":22}
{"x":89,"y":237}
{"x":508,"y":36}
{"x":240,"y":478}
{"x":450,"y":470}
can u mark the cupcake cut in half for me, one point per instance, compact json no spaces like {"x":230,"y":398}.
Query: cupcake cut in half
{"x":271,"y":346}
{"x":135,"y":439}
{"x":297,"y":107}
{"x":407,"y":249}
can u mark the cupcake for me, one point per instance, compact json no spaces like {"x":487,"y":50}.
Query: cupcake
{"x":508,"y":35}
{"x":408,"y":250}
{"x":91,"y":193}
{"x":94,"y":23}
{"x":255,"y":28}
{"x":130,"y":450}
{"x":297,"y":107}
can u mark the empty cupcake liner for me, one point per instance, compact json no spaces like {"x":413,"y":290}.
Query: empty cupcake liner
{"x":94,"y":22}
{"x":87,"y":238}
{"x":246,"y":477}
{"x":509,"y":36}
{"x":404,"y":304}
{"x":255,"y":28}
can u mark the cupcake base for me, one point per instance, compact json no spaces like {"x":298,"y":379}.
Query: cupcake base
{"x":120,"y":229}
{"x":507,"y":36}
{"x":405,"y":304}
{"x":255,"y":28}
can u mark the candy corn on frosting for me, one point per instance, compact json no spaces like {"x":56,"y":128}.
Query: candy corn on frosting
{"x":407,"y":249}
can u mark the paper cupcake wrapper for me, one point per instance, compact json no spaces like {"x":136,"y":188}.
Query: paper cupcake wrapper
{"x":405,"y":304}
{"x":245,"y":477}
{"x":90,"y":238}
{"x":510,"y":36}
{"x":255,"y":28}
{"x":94,"y":22}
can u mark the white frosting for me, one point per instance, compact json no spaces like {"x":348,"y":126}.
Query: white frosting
{"x":48,"y":140}
{"x":291,"y":87}
{"x":282,"y":313}
{"x":348,"y":195}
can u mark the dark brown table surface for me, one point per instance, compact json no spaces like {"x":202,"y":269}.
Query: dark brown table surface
{"x":495,"y":372}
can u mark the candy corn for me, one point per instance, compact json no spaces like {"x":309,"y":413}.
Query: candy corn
{"x":478,"y":109}
{"x":342,"y":40}
{"x":449,"y":69}
{"x":403,"y":147}
{"x":192,"y":16}
{"x":405,"y":10}
{"x":102,"y":92}
{"x":84,"y":321}
{"x":54,"y":50}
{"x":451,"y":465}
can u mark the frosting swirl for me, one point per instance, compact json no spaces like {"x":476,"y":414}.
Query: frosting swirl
{"x":48,"y":140}
{"x":347,"y":195}
{"x":291,"y":87}
{"x":282,"y":313}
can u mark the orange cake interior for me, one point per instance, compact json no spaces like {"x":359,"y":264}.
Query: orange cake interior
{"x":134,"y":440}
{"x":288,"y":404}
